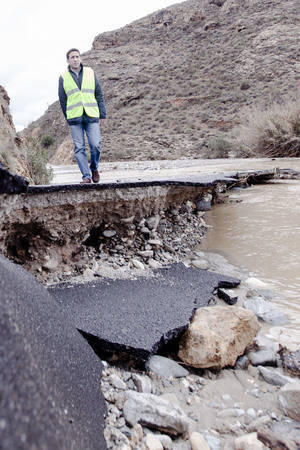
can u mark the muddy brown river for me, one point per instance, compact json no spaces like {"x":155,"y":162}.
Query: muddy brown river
{"x":260,"y":232}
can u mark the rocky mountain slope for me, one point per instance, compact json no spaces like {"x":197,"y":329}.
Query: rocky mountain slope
{"x":10,"y":156}
{"x":177,"y":81}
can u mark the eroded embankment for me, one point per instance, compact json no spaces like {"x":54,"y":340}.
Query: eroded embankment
{"x":63,"y":231}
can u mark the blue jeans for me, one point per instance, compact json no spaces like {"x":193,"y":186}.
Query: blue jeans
{"x":92,"y":131}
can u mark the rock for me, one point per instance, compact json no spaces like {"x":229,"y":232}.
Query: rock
{"x":255,"y":283}
{"x":289,"y":399}
{"x":280,"y":435}
{"x":266,"y":311}
{"x":253,"y":426}
{"x":242,"y":363}
{"x":165,"y":367}
{"x":138,"y":264}
{"x":204,"y":204}
{"x":154,"y":412}
{"x":136,"y":434}
{"x":200,"y":264}
{"x":248,"y":442}
{"x":169,"y":248}
{"x":51,"y":264}
{"x":152,"y":222}
{"x":88,"y":273}
{"x":128,"y":219}
{"x":143,"y":383}
{"x":116,"y":437}
{"x":227,"y":295}
{"x":274,"y":376}
{"x":214,"y":443}
{"x":263,"y":343}
{"x":290,"y":361}
{"x":251,"y":413}
{"x":165,"y":440}
{"x":154,"y":264}
{"x":262,"y":358}
{"x":145,"y":230}
{"x":152,"y":443}
{"x":198,"y":442}
{"x":116,"y":382}
{"x":217,"y":336}
{"x":109,"y":233}
{"x":155,"y":242}
{"x":146,"y":253}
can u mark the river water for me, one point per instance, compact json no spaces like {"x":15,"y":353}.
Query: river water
{"x":259,"y":231}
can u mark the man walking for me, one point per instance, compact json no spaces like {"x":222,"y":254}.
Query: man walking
{"x":82,"y":104}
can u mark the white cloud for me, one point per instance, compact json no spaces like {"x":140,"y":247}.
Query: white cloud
{"x":36,"y":35}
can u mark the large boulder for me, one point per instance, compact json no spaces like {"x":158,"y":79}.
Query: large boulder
{"x":50,"y":396}
{"x":217,"y":336}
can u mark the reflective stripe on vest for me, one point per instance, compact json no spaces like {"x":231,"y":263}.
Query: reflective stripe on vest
{"x":82,"y":100}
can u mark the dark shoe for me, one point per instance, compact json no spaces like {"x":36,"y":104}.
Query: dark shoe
{"x":95,"y":176}
{"x":86,"y":181}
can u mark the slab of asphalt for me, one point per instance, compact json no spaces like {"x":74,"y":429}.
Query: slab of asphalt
{"x":139,"y":316}
{"x":50,"y":395}
{"x":200,"y":180}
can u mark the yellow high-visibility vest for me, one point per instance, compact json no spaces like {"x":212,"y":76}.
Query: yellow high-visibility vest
{"x":82,"y":100}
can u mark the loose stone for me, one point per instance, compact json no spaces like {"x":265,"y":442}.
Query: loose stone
{"x":262,"y":358}
{"x":289,"y":399}
{"x":274,"y":377}
{"x":165,"y":440}
{"x":152,"y":222}
{"x":155,"y":412}
{"x":165,"y":367}
{"x":198,"y":442}
{"x":117,"y":382}
{"x":152,"y":443}
{"x":247,"y":442}
{"x":143,"y":383}
{"x":266,"y":311}
{"x":201,"y":264}
{"x":138,"y":264}
{"x":253,"y":426}
{"x":109,"y":233}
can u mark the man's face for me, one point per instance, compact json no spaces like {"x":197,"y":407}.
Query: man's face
{"x":74,"y":60}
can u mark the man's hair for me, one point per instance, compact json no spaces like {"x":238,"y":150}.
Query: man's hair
{"x":72,"y":50}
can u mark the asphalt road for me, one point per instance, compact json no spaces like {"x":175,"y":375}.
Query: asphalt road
{"x":156,"y":170}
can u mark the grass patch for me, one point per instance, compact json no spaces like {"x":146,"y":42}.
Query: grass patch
{"x":36,"y":159}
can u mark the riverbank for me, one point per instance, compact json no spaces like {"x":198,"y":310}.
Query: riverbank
{"x":226,"y":407}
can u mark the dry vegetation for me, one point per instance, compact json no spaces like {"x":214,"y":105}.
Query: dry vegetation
{"x":274,"y":132}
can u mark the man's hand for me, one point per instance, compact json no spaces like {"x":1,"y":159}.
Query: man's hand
{"x":102,"y":122}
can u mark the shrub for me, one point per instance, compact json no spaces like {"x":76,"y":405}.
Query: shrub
{"x":36,"y":158}
{"x":271,"y":133}
{"x":218,"y":147}
{"x":47,"y":140}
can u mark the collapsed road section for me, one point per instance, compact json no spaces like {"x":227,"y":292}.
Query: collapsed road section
{"x":58,"y":232}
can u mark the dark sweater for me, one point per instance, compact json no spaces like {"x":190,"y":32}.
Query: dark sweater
{"x":98,"y":95}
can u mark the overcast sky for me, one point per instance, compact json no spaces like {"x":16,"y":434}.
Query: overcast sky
{"x":35,"y":36}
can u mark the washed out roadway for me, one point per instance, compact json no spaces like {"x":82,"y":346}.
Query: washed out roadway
{"x":139,"y":316}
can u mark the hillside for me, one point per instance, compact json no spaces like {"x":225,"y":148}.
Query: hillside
{"x":178,"y":79}
{"x":11,"y":153}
